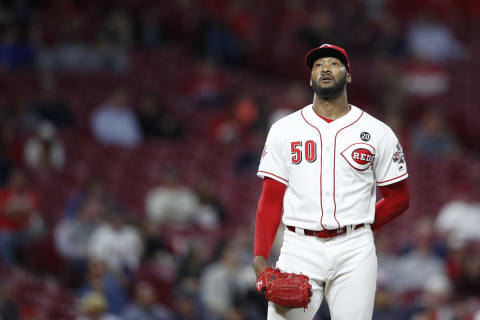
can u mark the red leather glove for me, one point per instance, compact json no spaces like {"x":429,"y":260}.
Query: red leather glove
{"x":289,"y":290}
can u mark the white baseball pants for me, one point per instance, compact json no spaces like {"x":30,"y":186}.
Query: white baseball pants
{"x":342,"y":268}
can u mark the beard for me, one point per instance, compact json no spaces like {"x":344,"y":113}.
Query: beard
{"x":329,"y":92}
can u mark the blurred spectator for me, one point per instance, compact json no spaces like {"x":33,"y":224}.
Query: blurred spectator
{"x":149,"y":31}
{"x":319,"y":28}
{"x":435,"y":301}
{"x":44,"y":151}
{"x":5,"y":166}
{"x":16,"y":48}
{"x":424,"y":79}
{"x":81,"y":57}
{"x":295,"y":97}
{"x":458,"y":219}
{"x":193,"y":263}
{"x":99,"y":279}
{"x":114,"y":40}
{"x":431,"y":39}
{"x":387,"y":264}
{"x":211,"y":213}
{"x":221,"y":43}
{"x":52,"y":108}
{"x":118,"y":28}
{"x":114,"y":123}
{"x":73,"y":49}
{"x":223,"y":128}
{"x":153,"y":239}
{"x":145,"y":306}
{"x":117,"y":243}
{"x":161,"y":272}
{"x":412,"y":270}
{"x":186,"y":307}
{"x":9,"y":309}
{"x":94,"y":306}
{"x":72,"y":237}
{"x":6,"y":130}
{"x":246,"y":113}
{"x":21,"y":116}
{"x":206,"y":85}
{"x":235,"y":123}
{"x":219,"y":283}
{"x":171,"y":202}
{"x":391,"y":40}
{"x":432,"y":138}
{"x":156,"y":121}
{"x":95,"y":192}
{"x":386,"y":307}
{"x":294,"y":13}
{"x":246,"y":160}
{"x":19,"y":215}
{"x":387,"y":86}
{"x":467,"y":284}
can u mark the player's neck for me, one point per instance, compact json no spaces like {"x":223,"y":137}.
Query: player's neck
{"x":332,"y":108}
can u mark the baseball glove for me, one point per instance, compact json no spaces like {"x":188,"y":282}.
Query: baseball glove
{"x":289,"y":290}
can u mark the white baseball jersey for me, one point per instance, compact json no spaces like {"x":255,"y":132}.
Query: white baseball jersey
{"x":331,"y":169}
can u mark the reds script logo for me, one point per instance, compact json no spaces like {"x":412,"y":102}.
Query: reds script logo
{"x":359,"y":156}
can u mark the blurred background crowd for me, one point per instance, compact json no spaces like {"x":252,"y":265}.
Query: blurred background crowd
{"x":131,"y":132}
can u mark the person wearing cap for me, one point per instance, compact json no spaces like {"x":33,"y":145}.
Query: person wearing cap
{"x":321,"y":166}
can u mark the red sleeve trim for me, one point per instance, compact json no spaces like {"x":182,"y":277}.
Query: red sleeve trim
{"x":393,"y":178}
{"x":260,"y":171}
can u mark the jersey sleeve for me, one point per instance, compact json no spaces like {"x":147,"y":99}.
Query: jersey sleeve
{"x":272,"y":161}
{"x":390,"y":165}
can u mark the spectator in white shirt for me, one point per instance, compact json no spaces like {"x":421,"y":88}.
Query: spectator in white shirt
{"x":117,"y":243}
{"x":219,"y":282}
{"x":44,"y":150}
{"x":431,"y":39}
{"x":459,"y":218}
{"x":72,"y":235}
{"x":172,"y":202}
{"x":113,"y":123}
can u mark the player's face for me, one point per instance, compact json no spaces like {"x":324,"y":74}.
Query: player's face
{"x":329,"y":77}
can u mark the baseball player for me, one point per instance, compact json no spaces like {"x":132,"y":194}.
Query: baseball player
{"x":321,"y":166}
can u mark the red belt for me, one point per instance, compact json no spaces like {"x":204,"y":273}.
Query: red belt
{"x":325,"y":233}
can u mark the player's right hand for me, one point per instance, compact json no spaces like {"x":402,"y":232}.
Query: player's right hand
{"x":262,"y":279}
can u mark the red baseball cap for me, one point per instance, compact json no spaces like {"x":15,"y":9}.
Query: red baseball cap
{"x":327,"y":50}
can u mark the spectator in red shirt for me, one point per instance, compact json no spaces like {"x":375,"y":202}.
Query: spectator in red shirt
{"x":18,"y":206}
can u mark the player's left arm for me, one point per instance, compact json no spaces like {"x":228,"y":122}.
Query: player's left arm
{"x":395,"y":201}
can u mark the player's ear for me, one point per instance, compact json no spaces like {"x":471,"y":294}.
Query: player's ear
{"x":349,"y":77}
{"x":310,"y":82}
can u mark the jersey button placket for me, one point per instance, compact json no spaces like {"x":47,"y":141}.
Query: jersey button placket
{"x":328,"y":177}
